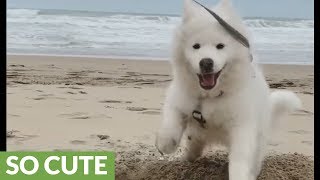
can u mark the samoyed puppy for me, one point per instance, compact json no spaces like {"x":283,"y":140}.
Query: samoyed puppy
{"x":218,"y":94}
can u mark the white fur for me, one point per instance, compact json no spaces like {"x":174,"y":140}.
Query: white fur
{"x":241,"y":118}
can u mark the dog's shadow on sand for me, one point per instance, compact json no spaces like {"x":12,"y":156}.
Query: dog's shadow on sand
{"x":213,"y":167}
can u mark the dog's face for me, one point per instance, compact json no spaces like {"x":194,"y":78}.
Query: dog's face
{"x":206,"y":46}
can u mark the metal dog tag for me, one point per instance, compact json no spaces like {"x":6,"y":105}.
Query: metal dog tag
{"x":197,"y":115}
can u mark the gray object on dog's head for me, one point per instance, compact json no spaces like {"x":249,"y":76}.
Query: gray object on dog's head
{"x":233,"y":32}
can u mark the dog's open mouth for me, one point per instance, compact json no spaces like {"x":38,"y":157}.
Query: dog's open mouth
{"x":208,"y":80}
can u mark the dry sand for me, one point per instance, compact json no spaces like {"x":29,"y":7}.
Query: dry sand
{"x":68,"y":103}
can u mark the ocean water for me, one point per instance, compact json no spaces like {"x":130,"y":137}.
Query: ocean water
{"x":62,"y":32}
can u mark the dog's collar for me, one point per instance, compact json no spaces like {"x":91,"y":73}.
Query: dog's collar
{"x":197,"y":115}
{"x":232,"y":31}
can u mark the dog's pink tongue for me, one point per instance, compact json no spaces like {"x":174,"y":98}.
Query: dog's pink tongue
{"x":208,"y":80}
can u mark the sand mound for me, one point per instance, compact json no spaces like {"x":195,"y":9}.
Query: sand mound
{"x":135,"y":165}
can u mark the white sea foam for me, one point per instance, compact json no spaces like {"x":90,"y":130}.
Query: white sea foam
{"x":115,"y":34}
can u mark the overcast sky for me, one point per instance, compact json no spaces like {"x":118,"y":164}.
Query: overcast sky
{"x":255,"y":8}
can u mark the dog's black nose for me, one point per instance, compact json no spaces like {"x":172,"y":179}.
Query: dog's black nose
{"x":206,"y":65}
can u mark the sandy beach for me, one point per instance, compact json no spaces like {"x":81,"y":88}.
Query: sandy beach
{"x":92,"y":104}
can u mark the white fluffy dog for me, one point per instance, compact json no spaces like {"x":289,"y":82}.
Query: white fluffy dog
{"x":218,"y":95}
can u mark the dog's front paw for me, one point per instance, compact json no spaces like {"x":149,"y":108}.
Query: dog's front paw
{"x":166,"y":144}
{"x":191,"y":156}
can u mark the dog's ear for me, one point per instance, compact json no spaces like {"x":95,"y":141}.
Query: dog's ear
{"x":223,"y":6}
{"x":225,"y":3}
{"x":226,"y":11}
{"x":190,"y":10}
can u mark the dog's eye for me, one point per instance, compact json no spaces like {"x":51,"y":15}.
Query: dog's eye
{"x":196,"y":46}
{"x":220,"y":46}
